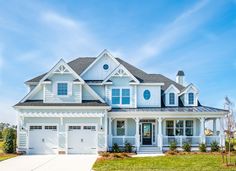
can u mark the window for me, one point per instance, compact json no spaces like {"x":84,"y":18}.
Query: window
{"x":115,"y":96}
{"x":35,"y":127}
{"x":146,"y":94}
{"x":125,"y":96}
{"x":62,"y":89}
{"x":179,"y":127}
{"x":121,"y":96}
{"x":170,"y":128}
{"x":171,"y":98}
{"x":120,"y":128}
{"x":190,"y":98}
{"x":189,"y":128}
{"x":51,"y":127}
{"x":93,"y":128}
{"x":74,"y":128}
{"x":105,"y":67}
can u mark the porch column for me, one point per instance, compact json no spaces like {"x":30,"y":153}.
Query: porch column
{"x":222,"y":134}
{"x":160,"y":138}
{"x":202,"y":133}
{"x":214,"y":127}
{"x":110,"y":132}
{"x":137,"y":140}
{"x":105,"y":130}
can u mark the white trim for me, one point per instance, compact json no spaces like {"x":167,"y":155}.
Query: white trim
{"x":158,"y":84}
{"x":94,"y":94}
{"x":172,"y":86}
{"x":55,"y":88}
{"x":104,"y":52}
{"x":61,"y":62}
{"x":121,"y":105}
{"x":188,"y":87}
{"x":62,"y":107}
{"x":120,"y":66}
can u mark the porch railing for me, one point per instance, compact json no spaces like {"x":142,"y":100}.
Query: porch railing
{"x":210,"y":139}
{"x":121,"y":140}
{"x":180,"y":140}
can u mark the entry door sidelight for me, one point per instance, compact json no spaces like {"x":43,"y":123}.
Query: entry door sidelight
{"x":147,"y":133}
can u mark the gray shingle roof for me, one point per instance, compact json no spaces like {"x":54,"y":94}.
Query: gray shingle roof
{"x":80,"y":64}
{"x":41,"y":103}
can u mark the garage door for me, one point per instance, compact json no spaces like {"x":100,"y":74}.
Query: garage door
{"x":82,"y":139}
{"x":43,"y":139}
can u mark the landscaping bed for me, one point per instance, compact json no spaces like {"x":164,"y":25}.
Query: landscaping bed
{"x":182,"y":161}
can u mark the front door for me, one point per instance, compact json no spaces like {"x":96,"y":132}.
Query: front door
{"x":147,"y":133}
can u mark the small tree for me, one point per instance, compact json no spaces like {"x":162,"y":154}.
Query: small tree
{"x":230,"y":124}
{"x":202,"y":147}
{"x":173,"y":146}
{"x":186,"y":147}
{"x":9,"y":140}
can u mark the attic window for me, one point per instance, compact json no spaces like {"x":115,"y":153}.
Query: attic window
{"x":190,"y":98}
{"x":105,"y":66}
{"x":62,"y":89}
{"x":172,"y":98}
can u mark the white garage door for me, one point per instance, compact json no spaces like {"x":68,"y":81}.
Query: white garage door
{"x":82,"y":139}
{"x":43,"y":139}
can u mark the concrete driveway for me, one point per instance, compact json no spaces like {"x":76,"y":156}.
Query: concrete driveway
{"x":49,"y":163}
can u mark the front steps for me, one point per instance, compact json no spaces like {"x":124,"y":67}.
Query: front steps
{"x":149,"y":150}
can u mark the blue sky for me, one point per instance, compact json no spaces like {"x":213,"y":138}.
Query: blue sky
{"x":164,"y":36}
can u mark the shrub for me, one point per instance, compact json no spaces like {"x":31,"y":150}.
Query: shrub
{"x":128,"y":147}
{"x":202,"y":147}
{"x":186,"y":147}
{"x":173,"y":146}
{"x":115,"y":148}
{"x":215,"y":146}
{"x":9,"y":140}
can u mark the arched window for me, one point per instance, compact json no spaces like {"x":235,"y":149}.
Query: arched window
{"x":190,"y":98}
{"x":146,"y":94}
{"x":172,"y":98}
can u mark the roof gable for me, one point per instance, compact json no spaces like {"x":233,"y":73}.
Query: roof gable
{"x":186,"y":89}
{"x":171,"y":87}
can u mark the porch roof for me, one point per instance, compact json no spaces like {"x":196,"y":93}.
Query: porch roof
{"x":200,"y":109}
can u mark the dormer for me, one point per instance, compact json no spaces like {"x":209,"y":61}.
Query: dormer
{"x":171,"y":96}
{"x":189,"y":95}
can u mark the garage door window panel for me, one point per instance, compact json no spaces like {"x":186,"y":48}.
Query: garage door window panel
{"x":35,"y":127}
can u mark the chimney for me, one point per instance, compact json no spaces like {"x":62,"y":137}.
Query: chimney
{"x":180,"y":77}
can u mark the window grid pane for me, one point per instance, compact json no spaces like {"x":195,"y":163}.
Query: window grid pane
{"x":115,"y":96}
{"x":62,"y":88}
{"x":125,"y":96}
{"x":120,"y":128}
{"x":191,"y":98}
{"x":172,"y":98}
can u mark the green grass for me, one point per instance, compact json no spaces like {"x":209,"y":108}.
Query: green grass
{"x":192,"y":162}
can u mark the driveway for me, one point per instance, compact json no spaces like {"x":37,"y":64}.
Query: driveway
{"x":49,"y":163}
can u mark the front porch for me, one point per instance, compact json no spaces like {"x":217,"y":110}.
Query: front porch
{"x":160,"y":132}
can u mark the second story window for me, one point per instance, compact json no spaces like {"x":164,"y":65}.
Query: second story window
{"x":62,"y":89}
{"x":120,"y":96}
{"x":190,"y":98}
{"x":172,"y":98}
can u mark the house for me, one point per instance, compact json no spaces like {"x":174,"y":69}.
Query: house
{"x":88,"y":104}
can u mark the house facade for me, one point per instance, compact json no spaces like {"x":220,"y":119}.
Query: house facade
{"x":88,"y":104}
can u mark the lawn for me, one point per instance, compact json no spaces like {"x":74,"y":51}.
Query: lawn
{"x":189,"y":162}
{"x":4,"y":156}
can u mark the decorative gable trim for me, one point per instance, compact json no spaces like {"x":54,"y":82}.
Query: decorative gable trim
{"x":105,"y":52}
{"x":120,"y":71}
{"x":188,"y":87}
{"x":60,"y":67}
{"x":172,"y":86}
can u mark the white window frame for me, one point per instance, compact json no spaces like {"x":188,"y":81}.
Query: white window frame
{"x":125,"y":126}
{"x":69,"y":88}
{"x":170,"y":98}
{"x":189,"y":98}
{"x":120,"y":104}
{"x":184,"y":126}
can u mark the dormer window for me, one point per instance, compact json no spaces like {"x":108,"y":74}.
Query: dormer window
{"x":172,"y":98}
{"x":62,"y":89}
{"x":190,"y":98}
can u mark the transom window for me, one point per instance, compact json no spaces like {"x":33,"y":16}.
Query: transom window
{"x":190,"y":98}
{"x":179,"y":128}
{"x":120,"y":128}
{"x":62,"y":89}
{"x":146,"y":94}
{"x":171,"y":98}
{"x":121,"y":96}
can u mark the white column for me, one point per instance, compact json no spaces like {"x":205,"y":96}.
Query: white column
{"x":214,"y":126}
{"x":160,"y":137}
{"x":203,"y":138}
{"x":222,"y":134}
{"x":137,"y":141}
{"x":105,"y":130}
{"x":110,"y":132}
